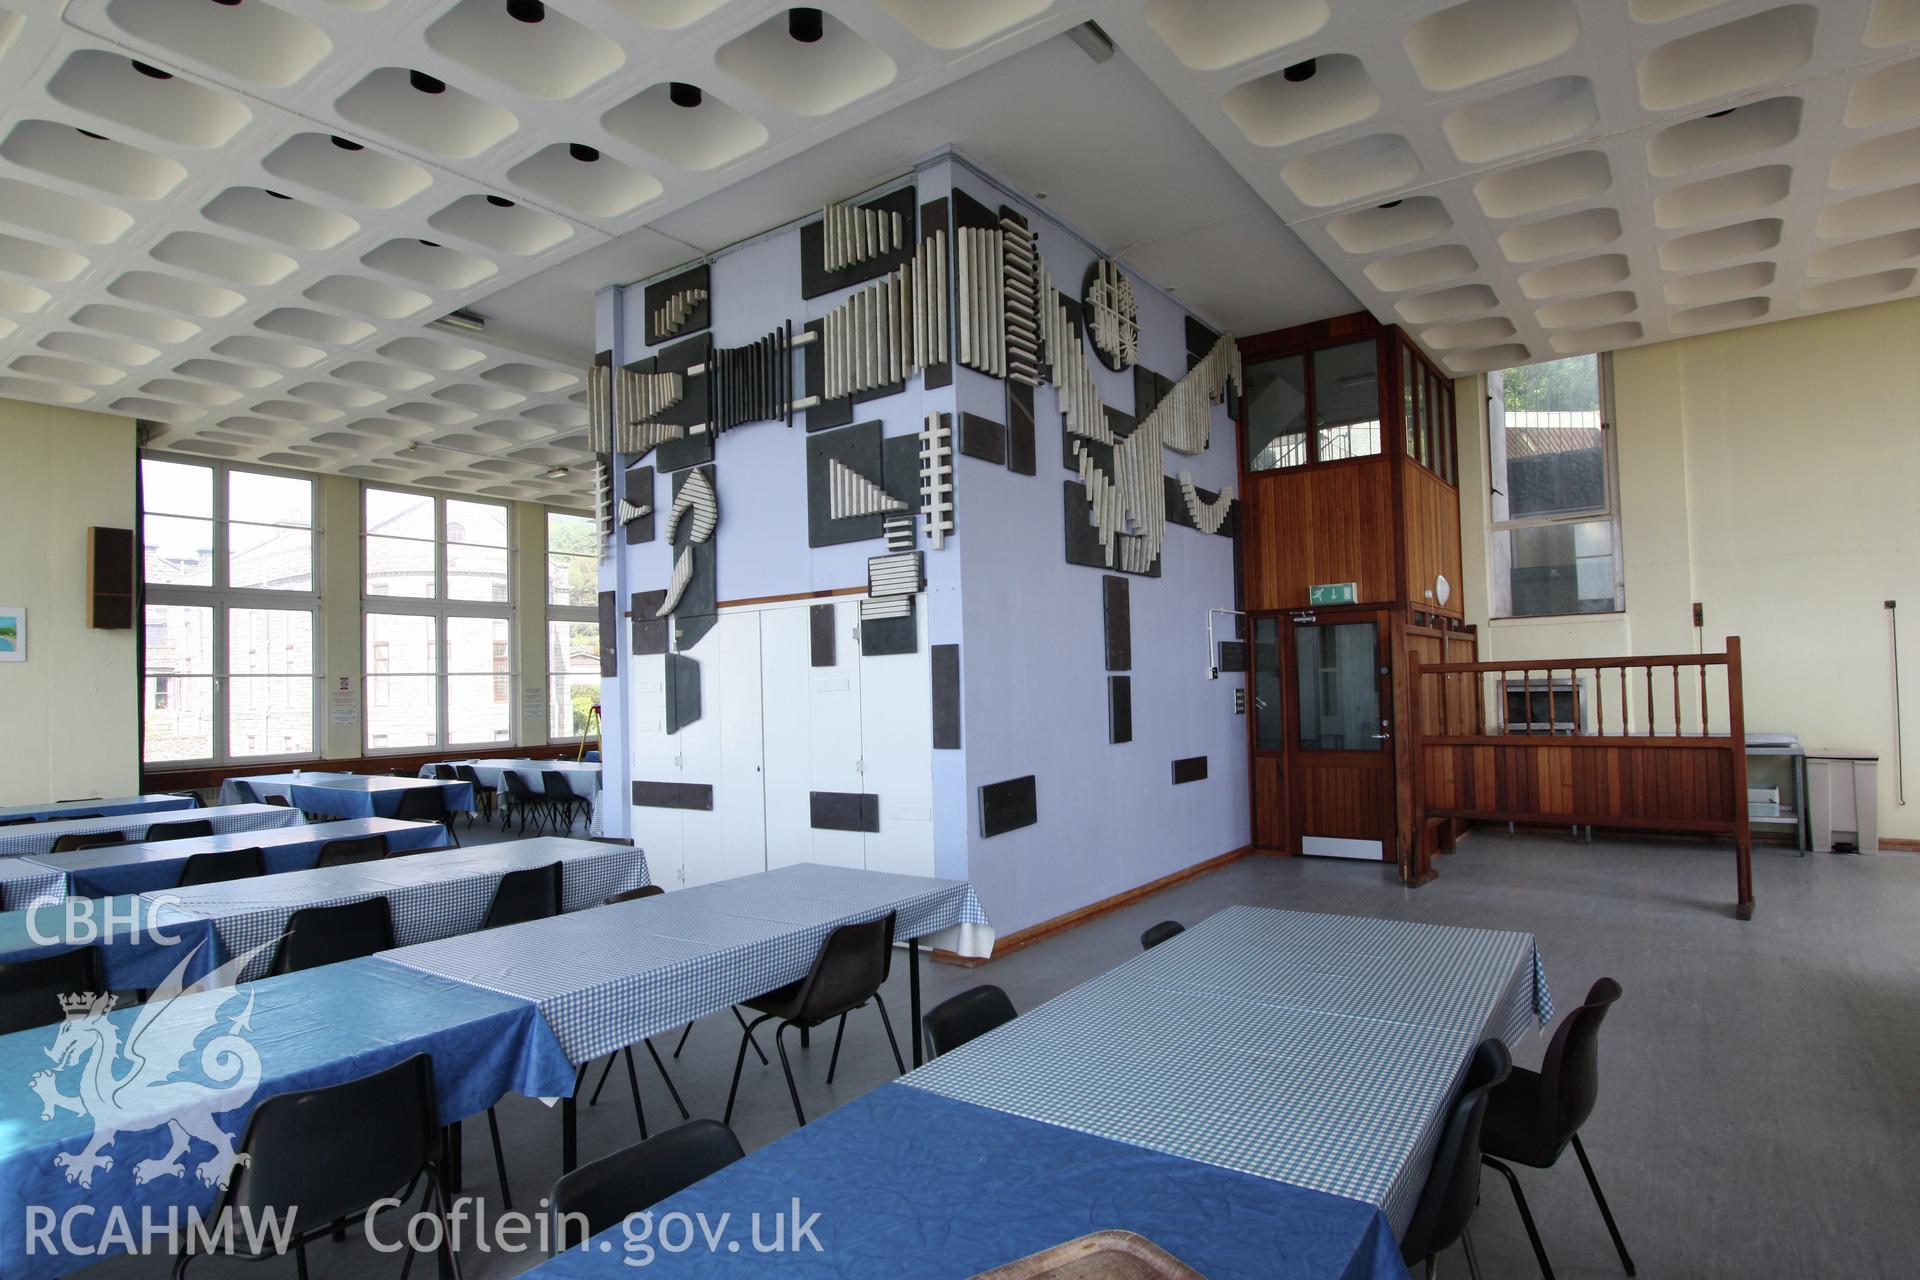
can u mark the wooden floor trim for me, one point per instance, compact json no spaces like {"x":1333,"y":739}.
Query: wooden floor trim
{"x":1009,"y":943}
{"x":825,"y":593}
{"x":1903,"y":846}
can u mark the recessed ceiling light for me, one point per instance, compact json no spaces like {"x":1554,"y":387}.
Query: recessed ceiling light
{"x":1300,"y":71}
{"x":472,"y":321}
{"x":275,"y":194}
{"x":431,"y":244}
{"x":806,"y":25}
{"x":556,"y":473}
{"x":500,"y":202}
{"x":681,"y":94}
{"x":88,"y":133}
{"x":526,"y":10}
{"x":346,"y":144}
{"x":1391,"y":204}
{"x":582,"y":152}
{"x":426,"y":83}
{"x":148,"y":69}
{"x":229,"y":3}
{"x":1715,"y":115}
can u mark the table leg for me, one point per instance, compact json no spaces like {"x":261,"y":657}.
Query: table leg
{"x":451,"y":1177}
{"x":913,"y":996}
{"x":569,"y":1133}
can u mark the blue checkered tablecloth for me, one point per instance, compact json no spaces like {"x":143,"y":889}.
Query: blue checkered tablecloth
{"x":234,"y":790}
{"x":38,"y":837}
{"x":1317,"y":1050}
{"x":23,"y":883}
{"x":608,"y":978}
{"x":350,"y":795}
{"x":583,"y":779}
{"x":141,"y":942}
{"x":432,"y":897}
{"x":145,"y":868}
{"x":110,"y":807}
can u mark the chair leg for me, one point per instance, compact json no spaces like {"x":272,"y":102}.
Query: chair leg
{"x":449,"y":1256}
{"x":687,"y":1031}
{"x":633,"y":1083}
{"x":741,"y":1019}
{"x":300,"y":1261}
{"x":793,"y":1090}
{"x":887,"y":1022}
{"x":1473,"y":1262}
{"x":1526,"y":1215}
{"x":604,"y":1073}
{"x":834,"y":1061}
{"x":684,"y":1113}
{"x":499,"y":1160}
{"x":451,"y":835}
{"x":740,"y":1062}
{"x":1619,"y":1245}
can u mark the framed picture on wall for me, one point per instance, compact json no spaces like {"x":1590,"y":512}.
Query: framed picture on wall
{"x":13,"y":633}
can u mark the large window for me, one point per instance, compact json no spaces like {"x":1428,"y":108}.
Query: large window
{"x":228,"y":565}
{"x":1321,"y":407}
{"x":1556,"y":530}
{"x":573,"y":626}
{"x":438,"y":621}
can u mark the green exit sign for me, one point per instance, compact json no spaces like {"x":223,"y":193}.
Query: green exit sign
{"x":1331,"y":593}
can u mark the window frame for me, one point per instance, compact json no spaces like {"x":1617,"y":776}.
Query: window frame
{"x":440,"y":608}
{"x":1499,"y":532}
{"x":222,"y":599}
{"x":1307,"y":354}
{"x":560,"y":613}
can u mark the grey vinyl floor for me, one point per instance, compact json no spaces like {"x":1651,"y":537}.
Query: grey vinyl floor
{"x":1760,"y":1103}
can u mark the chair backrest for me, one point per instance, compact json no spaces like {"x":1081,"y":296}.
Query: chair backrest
{"x":244,"y":789}
{"x":15,"y":822}
{"x":622,"y":841}
{"x":641,"y":1176}
{"x":1159,"y":933}
{"x":340,"y":853}
{"x":218,"y":868}
{"x":334,"y":1150}
{"x":518,"y":789}
{"x":1570,"y":1073}
{"x":633,"y":895}
{"x":850,"y":967}
{"x":327,"y":935}
{"x":30,"y":990}
{"x":74,"y":841}
{"x":191,"y":829}
{"x":555,"y":784}
{"x":282,"y":801}
{"x":1453,"y":1183}
{"x":961,"y":1018}
{"x":422,"y":804}
{"x":467,"y":773}
{"x":446,"y":773}
{"x":532,"y":893}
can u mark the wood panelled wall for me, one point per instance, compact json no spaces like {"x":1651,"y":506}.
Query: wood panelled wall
{"x":1319,"y":524}
{"x":1430,"y":508}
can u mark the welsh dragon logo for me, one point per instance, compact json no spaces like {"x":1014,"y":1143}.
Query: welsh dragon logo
{"x":161,"y":1074}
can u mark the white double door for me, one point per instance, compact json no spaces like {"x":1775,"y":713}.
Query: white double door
{"x":773,"y":730}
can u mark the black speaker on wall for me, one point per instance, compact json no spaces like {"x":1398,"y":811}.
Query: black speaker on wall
{"x":110,"y":580}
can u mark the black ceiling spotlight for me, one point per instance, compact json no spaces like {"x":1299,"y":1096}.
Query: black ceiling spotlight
{"x":582,"y":152}
{"x":88,"y":133}
{"x":1301,"y":71}
{"x":500,"y":202}
{"x":806,"y":25}
{"x":229,"y":3}
{"x":1391,"y":204}
{"x":426,"y":83}
{"x":346,"y":144}
{"x":1715,"y":115}
{"x":149,"y":70}
{"x":681,"y":94}
{"x":430,"y":244}
{"x":275,"y":194}
{"x":526,"y":10}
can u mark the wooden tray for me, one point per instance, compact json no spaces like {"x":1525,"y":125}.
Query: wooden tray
{"x":1104,"y":1255}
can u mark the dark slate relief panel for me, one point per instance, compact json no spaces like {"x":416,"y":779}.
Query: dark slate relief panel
{"x":1116,"y":612}
{"x":1083,"y":545}
{"x":1233,"y":655}
{"x":649,"y":632}
{"x":900,"y":469}
{"x":609,"y":635}
{"x":683,"y":691}
{"x":859,"y":448}
{"x":983,"y":438}
{"x":933,"y":216}
{"x":946,"y":697}
{"x":820,"y":632}
{"x":673,"y":795}
{"x":816,"y":280}
{"x":640,"y":494}
{"x":1119,"y":709}
{"x":1008,"y":806}
{"x":1191,"y":769}
{"x":887,"y":637}
{"x":700,"y":277}
{"x":813,"y":366}
{"x":1021,"y":459}
{"x":843,"y":811}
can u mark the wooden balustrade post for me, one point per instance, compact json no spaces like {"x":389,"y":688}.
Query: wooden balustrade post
{"x":1737,"y":744}
{"x":1416,"y":862}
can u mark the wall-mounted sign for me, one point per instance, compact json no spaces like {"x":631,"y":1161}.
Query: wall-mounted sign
{"x":1331,"y":593}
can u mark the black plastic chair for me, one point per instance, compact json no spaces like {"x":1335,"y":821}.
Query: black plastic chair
{"x":218,"y":868}
{"x":532,"y":893}
{"x":1453,"y":1183}
{"x":1159,"y":933}
{"x":280,"y":801}
{"x":74,"y":841}
{"x":426,"y":804}
{"x":325,"y":1155}
{"x":192,"y":829}
{"x":606,"y":1191}
{"x":343,"y":853}
{"x":17,"y":822}
{"x":244,"y":789}
{"x":964,"y":1017}
{"x":1535,"y":1116}
{"x":522,"y":799}
{"x":31,"y":990}
{"x":445,"y":773}
{"x":559,"y":794}
{"x":847,"y":973}
{"x":328,"y":935}
{"x":483,"y":795}
{"x":633,"y":1079}
{"x":633,"y":895}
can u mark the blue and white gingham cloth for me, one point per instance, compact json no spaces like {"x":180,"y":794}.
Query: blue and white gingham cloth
{"x":112,"y":808}
{"x":38,"y":837}
{"x":432,"y":896}
{"x":1316,"y":1050}
{"x":584,"y":779}
{"x":23,"y":883}
{"x":350,"y":795}
{"x":608,"y":978}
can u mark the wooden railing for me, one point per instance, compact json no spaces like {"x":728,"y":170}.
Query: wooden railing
{"x":1639,"y":744}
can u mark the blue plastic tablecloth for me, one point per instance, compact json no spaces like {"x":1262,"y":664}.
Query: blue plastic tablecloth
{"x":23,"y":882}
{"x":355,"y":796}
{"x":308,"y":1029}
{"x":140,"y":940}
{"x":149,"y":868}
{"x":907,"y":1183}
{"x":107,"y":808}
{"x":29,"y":838}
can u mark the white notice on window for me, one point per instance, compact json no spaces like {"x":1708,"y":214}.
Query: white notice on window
{"x":533,"y":702}
{"x":346,"y":708}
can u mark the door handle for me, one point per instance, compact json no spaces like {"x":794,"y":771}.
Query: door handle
{"x":1381,"y":736}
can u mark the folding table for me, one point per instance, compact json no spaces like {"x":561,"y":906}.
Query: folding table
{"x":350,"y":795}
{"x":38,"y":837}
{"x":111,"y":808}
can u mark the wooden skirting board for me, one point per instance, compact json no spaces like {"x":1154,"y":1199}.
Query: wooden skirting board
{"x":1009,"y":943}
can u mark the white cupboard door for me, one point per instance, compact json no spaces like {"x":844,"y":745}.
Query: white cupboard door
{"x":896,"y":701}
{"x":786,"y":683}
{"x":834,"y":753}
{"x":654,"y":755}
{"x":730,"y":674}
